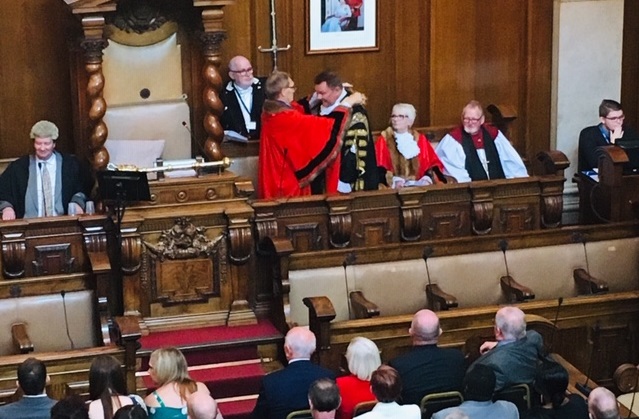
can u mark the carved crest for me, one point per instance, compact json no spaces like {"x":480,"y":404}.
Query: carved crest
{"x":183,"y":241}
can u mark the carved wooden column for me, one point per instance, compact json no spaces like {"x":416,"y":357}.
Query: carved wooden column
{"x":212,"y":37}
{"x":93,"y":44}
{"x":482,"y":209}
{"x":241,"y":250}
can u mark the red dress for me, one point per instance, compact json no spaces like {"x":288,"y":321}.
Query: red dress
{"x":353,"y":391}
{"x":295,"y":148}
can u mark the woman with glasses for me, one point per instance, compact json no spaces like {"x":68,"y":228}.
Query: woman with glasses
{"x":404,"y":156}
{"x":610,"y":129}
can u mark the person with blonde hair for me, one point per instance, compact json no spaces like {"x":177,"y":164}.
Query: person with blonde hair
{"x":404,"y":156}
{"x":363,"y":358}
{"x":169,"y":370}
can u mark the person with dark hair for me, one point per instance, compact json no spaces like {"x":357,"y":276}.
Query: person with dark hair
{"x":131,"y":411}
{"x":387,"y":388}
{"x":479,"y":385}
{"x":610,"y":129}
{"x":45,"y":183}
{"x":72,"y":407}
{"x":551,"y":382}
{"x":475,"y":150}
{"x":358,"y":165}
{"x":295,"y":148}
{"x":34,"y":404}
{"x":427,"y":368}
{"x":515,"y":353}
{"x":243,"y":98}
{"x":107,"y":388}
{"x":324,"y":398}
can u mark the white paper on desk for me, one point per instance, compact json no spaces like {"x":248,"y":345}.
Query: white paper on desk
{"x":234,"y":136}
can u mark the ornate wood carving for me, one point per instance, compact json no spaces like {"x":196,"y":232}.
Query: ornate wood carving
{"x":241,"y":239}
{"x":374,"y":231}
{"x":482,"y":211}
{"x":305,"y":236}
{"x":411,"y":222}
{"x":516,"y":218}
{"x":551,"y":208}
{"x":446,"y":224}
{"x":341,"y":226}
{"x":53,"y":259}
{"x":13,"y":258}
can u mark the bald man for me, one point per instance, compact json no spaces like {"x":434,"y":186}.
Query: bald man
{"x":286,"y":390}
{"x":515,"y":352}
{"x":428,"y":368}
{"x":602,"y":404}
{"x":201,"y":405}
{"x":243,"y":98}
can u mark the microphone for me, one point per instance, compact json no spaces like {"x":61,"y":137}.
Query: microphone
{"x":279,"y":193}
{"x":560,"y":301}
{"x":503,"y":245}
{"x":66,"y":320}
{"x":349,"y":259}
{"x":426,"y":253}
{"x":583,"y":388}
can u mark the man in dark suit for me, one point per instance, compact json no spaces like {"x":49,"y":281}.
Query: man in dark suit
{"x":427,"y":368}
{"x":243,"y":98}
{"x":286,"y":390}
{"x":35,"y":404}
{"x":515,"y":353}
{"x":610,"y":129}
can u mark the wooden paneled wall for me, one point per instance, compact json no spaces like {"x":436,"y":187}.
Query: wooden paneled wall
{"x":436,"y":54}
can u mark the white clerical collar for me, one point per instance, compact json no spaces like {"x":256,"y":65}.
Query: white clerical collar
{"x":406,"y":145}
{"x":329,"y":109}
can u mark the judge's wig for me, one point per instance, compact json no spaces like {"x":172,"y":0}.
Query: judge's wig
{"x":44,"y":129}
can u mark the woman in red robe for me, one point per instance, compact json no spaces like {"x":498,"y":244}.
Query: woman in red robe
{"x":294,"y":147}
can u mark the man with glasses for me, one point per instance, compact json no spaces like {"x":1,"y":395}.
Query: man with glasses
{"x":243,"y":98}
{"x":358,"y":165}
{"x":478,"y":151}
{"x":610,"y":129}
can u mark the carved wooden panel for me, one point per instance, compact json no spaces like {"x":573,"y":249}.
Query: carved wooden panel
{"x":513,"y":219}
{"x":305,"y":236}
{"x":53,"y":259}
{"x":184,"y":281}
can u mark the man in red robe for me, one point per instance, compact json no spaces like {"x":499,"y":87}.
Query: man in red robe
{"x":294,"y":147}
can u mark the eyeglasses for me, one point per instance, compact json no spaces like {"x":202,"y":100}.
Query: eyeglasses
{"x":616,"y":118}
{"x":243,"y":71}
{"x":399,"y":116}
{"x":292,"y":87}
{"x":472,"y":120}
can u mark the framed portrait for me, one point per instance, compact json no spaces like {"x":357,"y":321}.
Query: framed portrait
{"x":334,"y":26}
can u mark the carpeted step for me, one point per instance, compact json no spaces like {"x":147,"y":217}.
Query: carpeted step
{"x":237,"y":407}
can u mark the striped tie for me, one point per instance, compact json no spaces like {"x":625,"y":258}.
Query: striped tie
{"x":47,"y":195}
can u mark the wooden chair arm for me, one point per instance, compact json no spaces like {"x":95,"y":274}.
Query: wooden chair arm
{"x":21,"y":342}
{"x":512,"y":287}
{"x":438,"y":300}
{"x":320,"y":314}
{"x":588,"y":284}
{"x":549,"y":163}
{"x":362,"y":308}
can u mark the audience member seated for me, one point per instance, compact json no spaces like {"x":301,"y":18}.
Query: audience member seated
{"x":286,"y":390}
{"x":72,"y":407}
{"x":363,"y":358}
{"x":479,"y":385}
{"x":456,"y":413}
{"x":296,"y":148}
{"x":45,"y":183}
{"x":404,"y":156}
{"x":202,"y":406}
{"x":551,"y":383}
{"x":515,"y":354}
{"x":610,"y":129}
{"x":107,"y":388}
{"x":132,"y":411}
{"x":323,"y":398}
{"x":358,"y":165}
{"x":387,"y":388}
{"x":243,"y":98}
{"x":478,"y":151}
{"x":34,"y":404}
{"x":602,"y":404}
{"x":168,"y":369}
{"x":428,"y":368}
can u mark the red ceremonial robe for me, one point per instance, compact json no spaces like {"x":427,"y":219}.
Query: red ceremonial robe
{"x":295,"y":148}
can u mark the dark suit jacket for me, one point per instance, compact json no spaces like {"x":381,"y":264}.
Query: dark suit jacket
{"x":516,"y":362}
{"x":428,"y":369}
{"x":232,"y":118}
{"x":590,"y":139}
{"x":286,"y":390}
{"x":28,"y":408}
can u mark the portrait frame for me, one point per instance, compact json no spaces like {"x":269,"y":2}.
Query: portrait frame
{"x":359,"y":33}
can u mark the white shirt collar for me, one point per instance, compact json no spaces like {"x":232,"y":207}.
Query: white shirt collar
{"x":329,"y":109}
